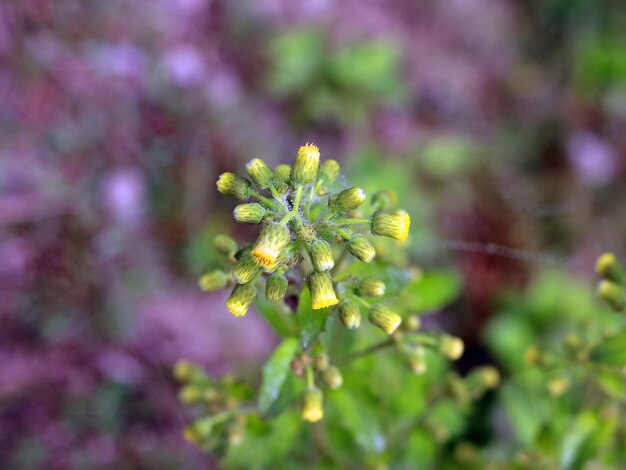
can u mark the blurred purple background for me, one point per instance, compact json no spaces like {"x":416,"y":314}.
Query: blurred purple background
{"x":117,"y":117}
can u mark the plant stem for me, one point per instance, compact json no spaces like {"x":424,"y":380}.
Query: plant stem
{"x":351,"y":221}
{"x":264,"y":200}
{"x":364,"y":352}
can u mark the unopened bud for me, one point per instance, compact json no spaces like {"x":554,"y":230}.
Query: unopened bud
{"x":322,"y":255}
{"x":322,"y":291}
{"x":533,"y":356}
{"x":304,"y":168}
{"x":320,"y":362}
{"x":349,"y":314}
{"x":225,"y":245}
{"x":482,"y":379}
{"x":240,"y":299}
{"x":212,"y":281}
{"x":186,"y":371}
{"x":384,"y":318}
{"x":349,"y":199}
{"x":609,"y":268}
{"x":411,"y":323}
{"x":246,"y":269}
{"x":451,"y":347}
{"x":271,"y":242}
{"x":558,"y":385}
{"x":282,"y":173}
{"x":360,"y":247}
{"x":394,"y":224}
{"x":329,"y":171}
{"x":311,"y":404}
{"x":190,"y":394}
{"x":261,"y":174}
{"x":371,"y":288}
{"x":385,"y":199}
{"x":199,"y":431}
{"x":415,"y":358}
{"x":276,"y":288}
{"x":232,"y":185}
{"x":612,"y":293}
{"x":252,"y":213}
{"x":332,"y":377}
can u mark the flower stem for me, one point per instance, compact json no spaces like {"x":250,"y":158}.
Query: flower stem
{"x":264,"y":200}
{"x":351,"y":221}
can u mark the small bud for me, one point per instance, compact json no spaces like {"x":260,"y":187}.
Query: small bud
{"x":322,"y":292}
{"x":384,"y":318}
{"x":482,"y":379}
{"x":322,"y":255}
{"x":311,"y":404}
{"x":332,"y":377}
{"x":348,"y":200}
{"x":246,"y":269}
{"x":385,"y":199}
{"x":240,"y":299}
{"x":276,"y":288}
{"x":371,"y":288}
{"x":349,"y":314}
{"x":558,"y":385}
{"x":416,"y":360}
{"x":613,"y":294}
{"x":320,"y":362}
{"x":199,"y":431}
{"x":232,"y":185}
{"x":304,"y":169}
{"x":261,"y":174}
{"x":393,"y":224}
{"x":271,"y":242}
{"x":533,"y":356}
{"x":451,"y":347}
{"x":282,"y":173}
{"x":252,"y":213}
{"x":361,"y":247}
{"x":329,"y":171}
{"x":225,"y":244}
{"x":609,"y":268}
{"x":189,"y":395}
{"x":212,"y":281}
{"x":411,"y":323}
{"x":186,"y":371}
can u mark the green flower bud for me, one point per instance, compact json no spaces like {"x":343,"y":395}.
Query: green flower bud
{"x":249,"y":213}
{"x":304,"y":168}
{"x":186,"y":371}
{"x":276,"y":288}
{"x":371,"y":288}
{"x":282,"y":173}
{"x":329,"y":171}
{"x":322,"y":292}
{"x":261,"y":174}
{"x":332,"y":377}
{"x":533,"y":356}
{"x":360,"y":246}
{"x":212,"y":281}
{"x":246,"y":269}
{"x":240,"y":299}
{"x":232,"y":185}
{"x":199,"y":431}
{"x":609,"y":268}
{"x":385,"y":199}
{"x":271,"y":242}
{"x":416,"y":360}
{"x":487,"y":376}
{"x":349,"y":199}
{"x":225,"y":244}
{"x":320,"y":362}
{"x":613,"y":294}
{"x":311,"y":404}
{"x":393,"y":224}
{"x":558,"y":385}
{"x":451,"y":347}
{"x":411,"y":323}
{"x":322,"y":255}
{"x":384,"y":318}
{"x":190,"y":394}
{"x":349,"y":314}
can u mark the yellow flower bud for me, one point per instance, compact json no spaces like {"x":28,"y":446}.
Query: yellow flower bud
{"x":271,"y":242}
{"x":322,"y":292}
{"x":613,"y":294}
{"x":393,"y":224}
{"x":608,"y":267}
{"x":311,"y":404}
{"x":261,"y":174}
{"x":276,"y":288}
{"x":371,"y":288}
{"x":451,"y":347}
{"x":232,"y":185}
{"x":349,"y":199}
{"x":322,"y":255}
{"x":212,"y":281}
{"x":282,"y":173}
{"x":240,"y":299}
{"x":384,"y":318}
{"x":360,"y":246}
{"x":349,"y":314}
{"x":252,"y":213}
{"x":246,"y":269}
{"x":304,"y":168}
{"x":332,"y":377}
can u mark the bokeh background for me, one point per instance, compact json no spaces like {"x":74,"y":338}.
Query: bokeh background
{"x":501,"y":124}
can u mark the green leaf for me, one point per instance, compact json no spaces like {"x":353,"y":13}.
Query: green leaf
{"x":611,"y":351}
{"x":312,"y":322}
{"x":275,"y":373}
{"x":432,"y":291}
{"x":277,"y":316}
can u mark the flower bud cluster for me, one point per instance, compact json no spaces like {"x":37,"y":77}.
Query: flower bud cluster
{"x":612,"y":286}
